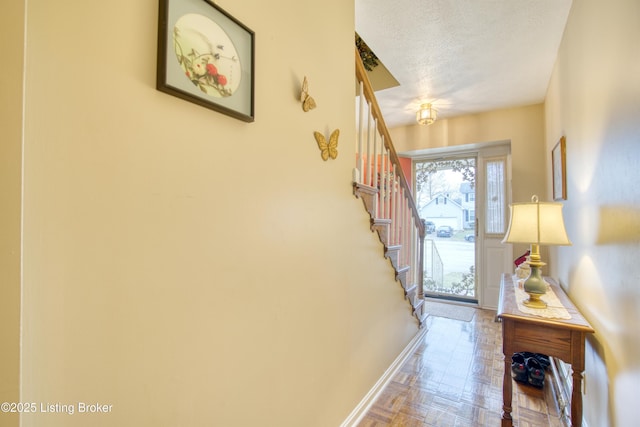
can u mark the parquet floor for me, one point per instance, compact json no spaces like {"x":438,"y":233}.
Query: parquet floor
{"x":454,"y":379}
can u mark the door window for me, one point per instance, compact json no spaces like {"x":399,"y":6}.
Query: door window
{"x":446,"y":194}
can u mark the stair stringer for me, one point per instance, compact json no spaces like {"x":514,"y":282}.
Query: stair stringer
{"x":381,"y":226}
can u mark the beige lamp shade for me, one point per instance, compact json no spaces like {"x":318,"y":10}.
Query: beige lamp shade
{"x":537,"y":222}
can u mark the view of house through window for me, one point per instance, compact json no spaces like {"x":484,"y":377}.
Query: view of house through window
{"x":446,"y":194}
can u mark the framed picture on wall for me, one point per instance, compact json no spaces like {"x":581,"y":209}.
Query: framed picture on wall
{"x":559,"y":167}
{"x":206,"y":56}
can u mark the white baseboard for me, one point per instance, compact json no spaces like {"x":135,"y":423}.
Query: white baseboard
{"x":358,"y":413}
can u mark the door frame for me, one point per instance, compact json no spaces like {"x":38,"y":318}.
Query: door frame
{"x":486,"y":249}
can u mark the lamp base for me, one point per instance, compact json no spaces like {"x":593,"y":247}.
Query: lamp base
{"x":534,"y":301}
{"x":535,"y":286}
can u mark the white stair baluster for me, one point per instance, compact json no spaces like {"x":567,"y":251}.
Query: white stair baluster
{"x":374,"y":175}
{"x":360,"y":130}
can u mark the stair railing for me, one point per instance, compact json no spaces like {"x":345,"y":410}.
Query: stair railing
{"x":434,"y":268}
{"x":379,"y":180}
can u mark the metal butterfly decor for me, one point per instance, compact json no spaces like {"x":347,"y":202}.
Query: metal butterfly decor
{"x":328,"y":149}
{"x":308,"y":103}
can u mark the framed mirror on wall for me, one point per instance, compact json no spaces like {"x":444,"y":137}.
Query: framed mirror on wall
{"x":559,"y":168}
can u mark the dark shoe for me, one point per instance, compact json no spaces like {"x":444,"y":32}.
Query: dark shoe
{"x":519,"y":370}
{"x":535,"y":372}
{"x":543,"y":360}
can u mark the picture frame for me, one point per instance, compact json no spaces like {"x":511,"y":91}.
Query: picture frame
{"x":559,"y":168}
{"x":207,"y":57}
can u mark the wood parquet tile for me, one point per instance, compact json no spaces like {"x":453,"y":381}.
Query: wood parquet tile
{"x":454,"y":379}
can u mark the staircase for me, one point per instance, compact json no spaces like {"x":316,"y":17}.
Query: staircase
{"x":379,"y":181}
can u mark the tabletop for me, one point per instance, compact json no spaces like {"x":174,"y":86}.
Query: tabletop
{"x":508,"y":307}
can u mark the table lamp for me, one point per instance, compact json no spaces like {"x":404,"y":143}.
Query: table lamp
{"x":537,"y":223}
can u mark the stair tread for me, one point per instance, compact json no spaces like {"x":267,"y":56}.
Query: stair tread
{"x":403,"y":269}
{"x":365,"y":188}
{"x":381,"y":221}
{"x":422,"y":320}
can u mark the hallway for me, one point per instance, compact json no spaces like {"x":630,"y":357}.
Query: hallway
{"x":454,"y":379}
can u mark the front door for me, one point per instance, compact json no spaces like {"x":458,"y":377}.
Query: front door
{"x":464,"y":197}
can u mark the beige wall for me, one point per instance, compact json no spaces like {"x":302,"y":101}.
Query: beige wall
{"x":11,"y":20}
{"x":183,"y":266}
{"x":594,"y":100}
{"x":523,"y":127}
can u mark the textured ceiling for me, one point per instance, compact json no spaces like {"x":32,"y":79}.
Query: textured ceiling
{"x":463,"y":56}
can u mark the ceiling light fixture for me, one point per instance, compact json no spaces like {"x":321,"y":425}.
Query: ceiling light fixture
{"x":426,"y":114}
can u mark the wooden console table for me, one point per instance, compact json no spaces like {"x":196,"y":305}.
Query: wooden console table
{"x":560,"y":338}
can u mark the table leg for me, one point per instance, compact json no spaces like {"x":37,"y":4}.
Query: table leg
{"x":576,"y":399}
{"x":508,"y":331}
{"x":507,"y":421}
{"x":577,"y":368}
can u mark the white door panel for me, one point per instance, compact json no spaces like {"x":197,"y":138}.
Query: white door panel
{"x":494,"y":188}
{"x":496,"y":260}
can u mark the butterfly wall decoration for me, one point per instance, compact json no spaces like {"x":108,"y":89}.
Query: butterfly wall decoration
{"x":328,"y":149}
{"x":308,"y":103}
